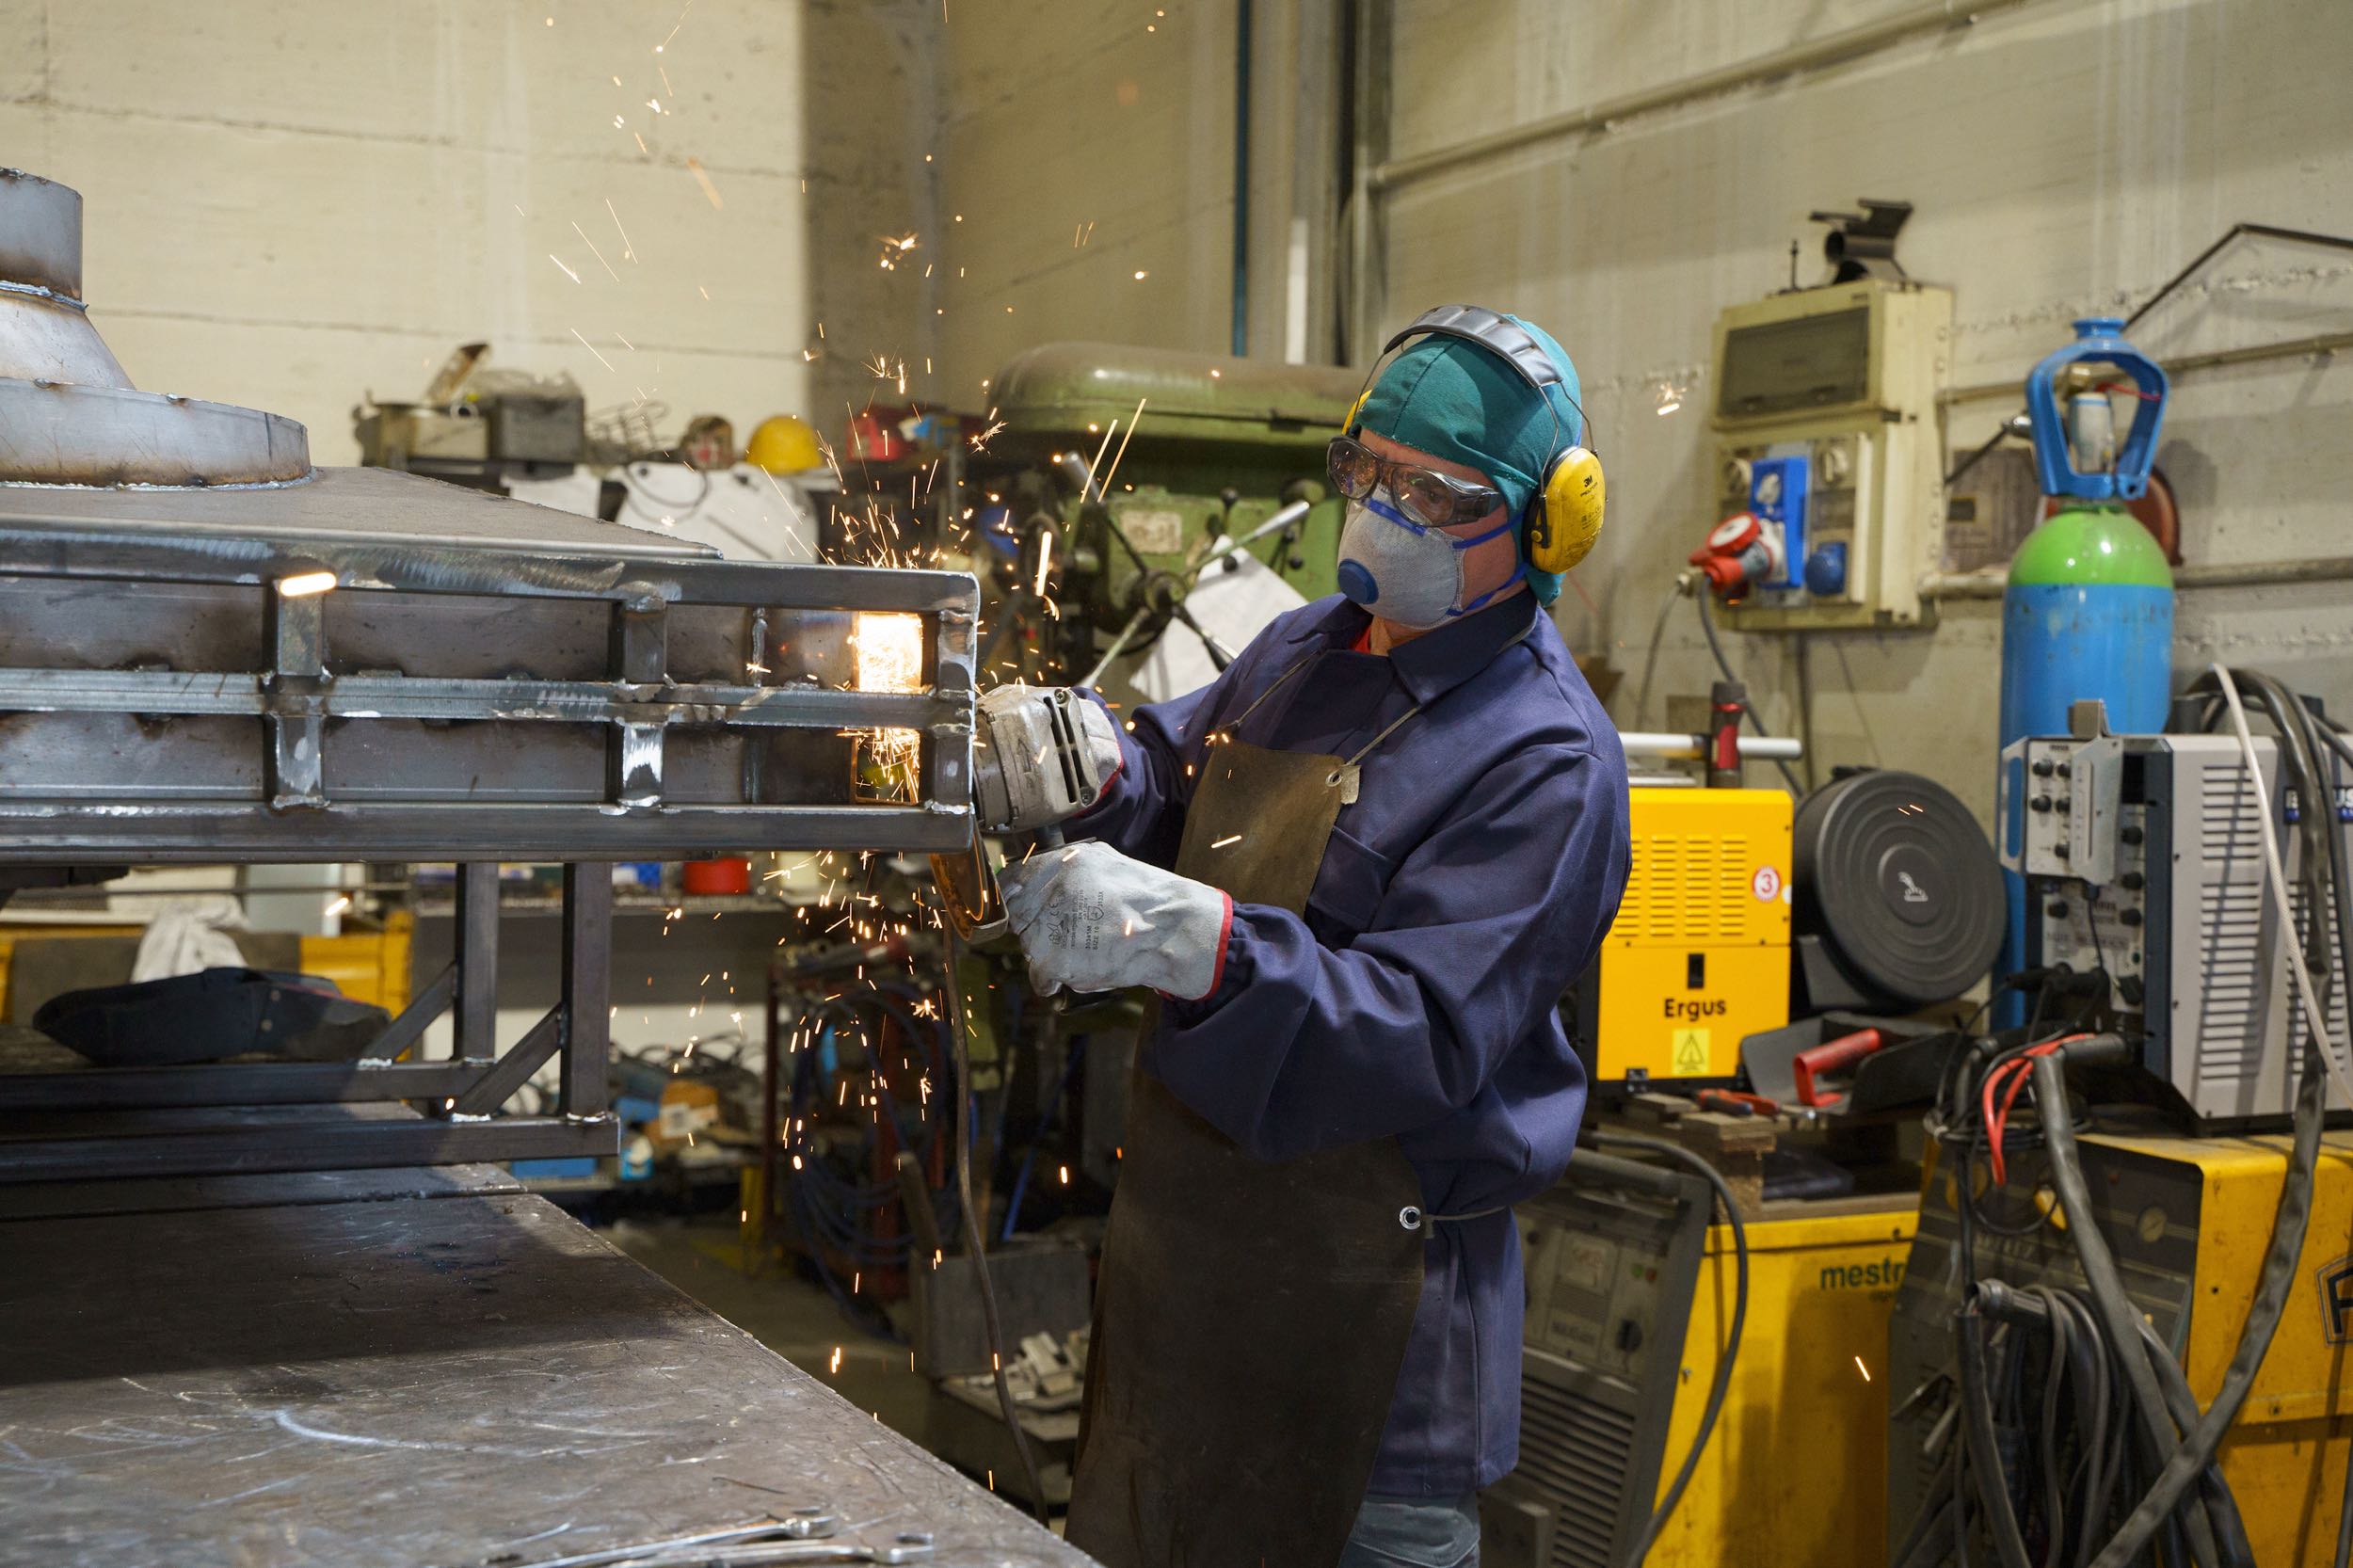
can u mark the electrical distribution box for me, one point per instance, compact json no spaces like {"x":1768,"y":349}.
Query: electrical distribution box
{"x":1826,"y":430}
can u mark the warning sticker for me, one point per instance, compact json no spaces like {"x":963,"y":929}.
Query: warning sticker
{"x":1766,"y":884}
{"x":1690,"y":1051}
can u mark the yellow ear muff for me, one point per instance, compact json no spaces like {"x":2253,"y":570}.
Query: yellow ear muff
{"x":1565,"y":526}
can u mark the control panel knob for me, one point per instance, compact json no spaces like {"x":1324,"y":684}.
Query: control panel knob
{"x":2044,"y":767}
{"x":2132,"y":882}
{"x":2041,"y":803}
{"x":2129,"y":916}
{"x":2057,"y":909}
{"x":2130,"y":834}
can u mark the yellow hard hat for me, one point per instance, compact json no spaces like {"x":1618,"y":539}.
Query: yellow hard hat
{"x":784,"y":444}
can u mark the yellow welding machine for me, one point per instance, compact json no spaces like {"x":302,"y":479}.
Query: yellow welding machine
{"x":1699,"y":956}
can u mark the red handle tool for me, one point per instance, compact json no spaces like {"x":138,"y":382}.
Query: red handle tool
{"x":1829,"y":1057}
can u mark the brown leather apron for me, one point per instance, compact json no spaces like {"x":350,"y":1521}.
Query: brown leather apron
{"x":1250,"y":1319}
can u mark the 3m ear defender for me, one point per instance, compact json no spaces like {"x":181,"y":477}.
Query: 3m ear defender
{"x":1563,"y":519}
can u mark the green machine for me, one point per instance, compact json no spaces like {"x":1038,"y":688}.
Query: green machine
{"x":1135,"y":473}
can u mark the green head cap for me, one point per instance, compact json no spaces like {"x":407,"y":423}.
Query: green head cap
{"x":1465,"y":404}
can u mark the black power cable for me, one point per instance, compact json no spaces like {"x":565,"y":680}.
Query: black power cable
{"x":954,"y":995}
{"x":2196,"y":1452}
{"x":2119,"y":1317}
{"x":1721,"y":1382}
{"x":1708,"y":624}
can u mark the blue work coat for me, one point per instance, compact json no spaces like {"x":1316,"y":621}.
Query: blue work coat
{"x":1470,"y":882}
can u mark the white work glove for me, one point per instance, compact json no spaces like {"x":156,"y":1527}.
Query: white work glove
{"x":1093,"y":919}
{"x":1041,"y":754}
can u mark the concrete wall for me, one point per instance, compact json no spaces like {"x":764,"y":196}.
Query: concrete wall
{"x":2065,"y":157}
{"x":869,"y":127}
{"x":1084,"y":145}
{"x":289,"y":204}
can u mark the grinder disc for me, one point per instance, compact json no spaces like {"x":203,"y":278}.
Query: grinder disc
{"x":1897,"y":876}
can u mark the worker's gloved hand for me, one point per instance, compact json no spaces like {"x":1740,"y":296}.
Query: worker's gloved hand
{"x":1093,"y":919}
{"x":1041,"y":754}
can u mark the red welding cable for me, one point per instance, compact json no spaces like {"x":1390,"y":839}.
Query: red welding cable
{"x":1997,"y":1121}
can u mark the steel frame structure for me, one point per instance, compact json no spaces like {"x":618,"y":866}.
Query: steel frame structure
{"x":484,"y":681}
{"x":456,"y":1098}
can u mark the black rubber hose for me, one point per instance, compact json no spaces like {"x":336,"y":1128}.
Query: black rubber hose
{"x":2197,"y":1448}
{"x":2323,"y":735}
{"x":954,"y":995}
{"x":2093,"y":1393}
{"x":2229,"y":1531}
{"x":2066,"y":1357}
{"x":1984,"y":1445}
{"x":1722,"y":1384}
{"x":2119,"y":1317}
{"x":2345,"y":1521}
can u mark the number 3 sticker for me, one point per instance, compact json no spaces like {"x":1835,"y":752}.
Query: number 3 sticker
{"x":1766,"y":884}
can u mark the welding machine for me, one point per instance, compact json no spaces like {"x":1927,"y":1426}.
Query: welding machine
{"x":2144,"y":858}
{"x":1631,"y":1291}
{"x":2188,"y":1221}
{"x":1700,"y":953}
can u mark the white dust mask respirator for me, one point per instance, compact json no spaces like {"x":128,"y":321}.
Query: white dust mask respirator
{"x":1405,"y":572}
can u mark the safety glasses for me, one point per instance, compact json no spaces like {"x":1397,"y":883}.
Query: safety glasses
{"x":1432,"y":499}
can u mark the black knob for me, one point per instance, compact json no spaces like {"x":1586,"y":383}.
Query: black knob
{"x":2132,"y":990}
{"x":2129,"y":916}
{"x":1629,"y":1335}
{"x":2132,"y":882}
{"x":2065,"y":803}
{"x":2042,"y":767}
{"x":2039,"y":803}
{"x":2059,"y":850}
{"x":2130,"y":835}
{"x":2065,"y":771}
{"x":2057,"y":909}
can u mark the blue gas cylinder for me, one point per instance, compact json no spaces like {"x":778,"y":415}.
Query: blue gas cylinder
{"x":2089,"y":608}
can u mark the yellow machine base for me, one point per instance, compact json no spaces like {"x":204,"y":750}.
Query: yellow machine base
{"x":1796,"y":1470}
{"x":2285,"y":1459}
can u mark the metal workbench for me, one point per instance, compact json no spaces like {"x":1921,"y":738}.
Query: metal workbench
{"x":407,"y":1367}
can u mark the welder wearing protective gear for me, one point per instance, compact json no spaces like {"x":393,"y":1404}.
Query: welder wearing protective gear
{"x":1411,"y":830}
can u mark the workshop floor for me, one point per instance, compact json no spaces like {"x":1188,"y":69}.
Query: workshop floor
{"x":791,"y":1315}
